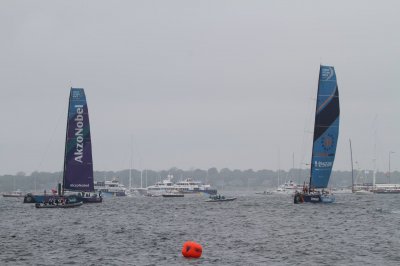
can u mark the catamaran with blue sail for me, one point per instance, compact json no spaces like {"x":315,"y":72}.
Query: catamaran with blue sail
{"x":78,"y":163}
{"x":326,"y":132}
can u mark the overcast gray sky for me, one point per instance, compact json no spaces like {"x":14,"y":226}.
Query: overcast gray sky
{"x":197,"y":83}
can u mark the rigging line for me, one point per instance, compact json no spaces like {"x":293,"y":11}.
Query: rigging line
{"x":51,"y":138}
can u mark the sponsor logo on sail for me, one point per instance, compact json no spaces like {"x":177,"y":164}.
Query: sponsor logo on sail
{"x":327,"y":142}
{"x":326,"y":73}
{"x":79,"y":133}
{"x":322,"y":164}
{"x":80,"y":185}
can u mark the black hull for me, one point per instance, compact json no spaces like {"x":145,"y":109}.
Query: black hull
{"x":30,"y":198}
{"x":58,"y":206}
{"x":313,"y":198}
{"x":91,"y":199}
{"x":387,"y":192}
{"x":220,"y":200}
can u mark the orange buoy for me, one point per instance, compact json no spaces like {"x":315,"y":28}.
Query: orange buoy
{"x":192,"y":250}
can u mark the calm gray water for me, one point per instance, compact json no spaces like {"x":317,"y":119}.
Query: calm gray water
{"x":253,"y":230}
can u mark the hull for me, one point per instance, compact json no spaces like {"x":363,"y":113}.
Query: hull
{"x":387,"y":191}
{"x":210,"y":192}
{"x":12,"y":196}
{"x":173,"y":195}
{"x":30,"y":198}
{"x":313,"y":198}
{"x":220,"y":200}
{"x":113,"y":194}
{"x":91,"y":199}
{"x":363,"y":192}
{"x":59,"y":206}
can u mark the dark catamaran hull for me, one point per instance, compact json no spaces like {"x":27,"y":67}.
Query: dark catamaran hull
{"x":92,"y":199}
{"x":30,"y":198}
{"x":58,"y":206}
{"x":220,"y":200}
{"x":313,"y":198}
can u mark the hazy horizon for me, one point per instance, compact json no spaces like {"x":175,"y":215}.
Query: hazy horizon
{"x":225,"y":84}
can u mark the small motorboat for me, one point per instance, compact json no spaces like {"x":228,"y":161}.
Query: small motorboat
{"x":14,"y":194}
{"x":54,"y":203}
{"x":172,"y":195}
{"x":54,"y":206}
{"x":264,"y":193}
{"x":218,"y":198}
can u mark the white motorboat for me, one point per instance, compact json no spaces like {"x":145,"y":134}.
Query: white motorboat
{"x":110,"y":188}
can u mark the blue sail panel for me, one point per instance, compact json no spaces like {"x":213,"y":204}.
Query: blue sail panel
{"x":78,"y":165}
{"x":326,"y":128}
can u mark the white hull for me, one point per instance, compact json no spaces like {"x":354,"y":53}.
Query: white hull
{"x":363,"y":192}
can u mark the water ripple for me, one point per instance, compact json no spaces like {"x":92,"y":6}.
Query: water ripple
{"x":253,"y":230}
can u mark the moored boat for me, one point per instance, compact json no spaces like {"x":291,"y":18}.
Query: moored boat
{"x":289,"y":188}
{"x":187,"y":187}
{"x":110,"y":188}
{"x":62,"y":202}
{"x":14,"y":194}
{"x":190,"y":186}
{"x":173,"y":195}
{"x":160,"y":188}
{"x":219,"y":198}
{"x":386,"y":188}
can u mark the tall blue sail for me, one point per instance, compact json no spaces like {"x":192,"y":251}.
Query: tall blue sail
{"x":78,"y":165}
{"x":326,"y":128}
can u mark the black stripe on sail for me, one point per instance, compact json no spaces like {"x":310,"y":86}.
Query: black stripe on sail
{"x":327,"y":116}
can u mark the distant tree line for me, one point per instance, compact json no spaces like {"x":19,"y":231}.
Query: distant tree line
{"x":222,"y":179}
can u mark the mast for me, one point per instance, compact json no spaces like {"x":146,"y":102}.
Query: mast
{"x":141,"y":179}
{"x":279,"y":166}
{"x":374,"y":174}
{"x":293,"y":161}
{"x":130,"y":178}
{"x":146,"y":177}
{"x":315,"y":122}
{"x":130,"y":166}
{"x":352,"y":176}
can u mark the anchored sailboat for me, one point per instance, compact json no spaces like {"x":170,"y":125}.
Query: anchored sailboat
{"x":326,"y":132}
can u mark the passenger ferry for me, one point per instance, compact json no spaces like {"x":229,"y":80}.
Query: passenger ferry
{"x":14,"y":194}
{"x":110,"y":188}
{"x":289,"y":187}
{"x":161,"y":187}
{"x":189,"y":186}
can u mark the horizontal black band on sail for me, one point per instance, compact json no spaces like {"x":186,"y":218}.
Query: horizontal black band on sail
{"x":325,"y":118}
{"x":323,"y":155}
